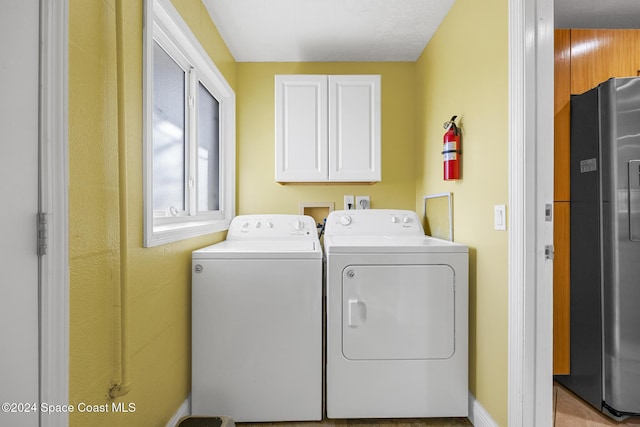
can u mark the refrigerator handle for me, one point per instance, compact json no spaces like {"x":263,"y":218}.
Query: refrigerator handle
{"x":634,"y":200}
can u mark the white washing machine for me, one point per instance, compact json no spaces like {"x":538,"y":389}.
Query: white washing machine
{"x":257,"y":321}
{"x":397,"y":318}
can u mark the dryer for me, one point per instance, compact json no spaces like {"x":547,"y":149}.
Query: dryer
{"x":257,"y":321}
{"x":397,"y":318}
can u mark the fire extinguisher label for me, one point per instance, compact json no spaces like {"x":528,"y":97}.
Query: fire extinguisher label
{"x":450,"y":156}
{"x":450,"y":146}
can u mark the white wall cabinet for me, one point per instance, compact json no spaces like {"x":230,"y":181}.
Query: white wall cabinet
{"x":328,"y":128}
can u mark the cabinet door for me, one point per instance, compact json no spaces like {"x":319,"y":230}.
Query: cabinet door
{"x":354,"y":128}
{"x":301,"y":128}
{"x":561,"y":290}
{"x":597,"y":55}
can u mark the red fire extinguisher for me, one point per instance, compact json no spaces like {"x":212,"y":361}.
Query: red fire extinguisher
{"x":452,"y":150}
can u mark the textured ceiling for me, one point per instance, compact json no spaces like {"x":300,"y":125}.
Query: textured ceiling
{"x":368,"y":30}
{"x":597,"y":14}
{"x":327,"y":30}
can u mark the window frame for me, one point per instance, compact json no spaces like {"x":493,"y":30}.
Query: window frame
{"x":164,"y":26}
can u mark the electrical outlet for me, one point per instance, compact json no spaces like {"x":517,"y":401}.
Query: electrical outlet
{"x":363,"y":202}
{"x":349,"y":203}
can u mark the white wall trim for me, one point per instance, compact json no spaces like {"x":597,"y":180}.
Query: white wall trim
{"x":530,"y":187}
{"x":516,"y":213}
{"x":183,"y":411}
{"x":542,"y":306}
{"x":54,"y":292}
{"x":479,"y":416}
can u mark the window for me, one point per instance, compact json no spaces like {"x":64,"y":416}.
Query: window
{"x":189,"y":138}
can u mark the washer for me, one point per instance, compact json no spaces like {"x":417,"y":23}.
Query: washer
{"x":397,"y":318}
{"x":257,"y":321}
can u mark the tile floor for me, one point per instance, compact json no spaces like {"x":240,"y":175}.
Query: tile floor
{"x":571,"y":411}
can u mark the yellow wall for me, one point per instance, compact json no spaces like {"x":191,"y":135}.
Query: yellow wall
{"x":257,"y":189}
{"x":464,"y":71}
{"x":159,"y":278}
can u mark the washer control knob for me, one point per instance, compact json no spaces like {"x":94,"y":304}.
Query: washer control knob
{"x":298,"y":225}
{"x":406,"y":220}
{"x":345,"y":220}
{"x":258,"y":224}
{"x":394,"y":219}
{"x":245,"y":225}
{"x":269,"y":224}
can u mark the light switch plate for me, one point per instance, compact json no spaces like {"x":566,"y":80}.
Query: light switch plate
{"x":500,"y":217}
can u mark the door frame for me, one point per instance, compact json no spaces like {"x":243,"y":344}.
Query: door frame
{"x":530,"y":168}
{"x":530,"y":387}
{"x":53,"y":200}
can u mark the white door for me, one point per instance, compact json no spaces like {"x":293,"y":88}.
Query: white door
{"x":386,"y":308}
{"x":354,"y":128}
{"x":301,"y":128}
{"x":19,"y":81}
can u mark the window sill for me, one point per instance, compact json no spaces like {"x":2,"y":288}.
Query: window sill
{"x":168,"y":233}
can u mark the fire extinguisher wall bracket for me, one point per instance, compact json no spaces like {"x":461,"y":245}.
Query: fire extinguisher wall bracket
{"x":452,"y":150}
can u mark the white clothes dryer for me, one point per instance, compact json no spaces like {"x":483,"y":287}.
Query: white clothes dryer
{"x":257,"y":321}
{"x":397,"y":318}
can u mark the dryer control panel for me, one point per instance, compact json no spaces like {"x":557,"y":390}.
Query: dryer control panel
{"x":374,"y":222}
{"x":275,"y":226}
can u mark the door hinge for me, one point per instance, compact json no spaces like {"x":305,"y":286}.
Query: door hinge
{"x":548,"y":252}
{"x":43,"y":233}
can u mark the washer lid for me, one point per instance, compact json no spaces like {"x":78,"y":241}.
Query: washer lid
{"x":390,"y":244}
{"x":260,"y":249}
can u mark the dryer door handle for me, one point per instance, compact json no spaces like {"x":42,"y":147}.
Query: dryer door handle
{"x":357,"y":313}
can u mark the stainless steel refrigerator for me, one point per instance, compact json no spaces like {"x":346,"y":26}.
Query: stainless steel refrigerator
{"x":605,"y":247}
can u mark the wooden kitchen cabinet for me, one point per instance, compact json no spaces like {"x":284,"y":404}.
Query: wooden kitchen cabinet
{"x":561,"y":260}
{"x":598,"y":55}
{"x":584,"y":58}
{"x":562,"y":111}
{"x":328,"y":128}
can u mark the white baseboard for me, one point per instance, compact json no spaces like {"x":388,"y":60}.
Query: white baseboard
{"x":479,"y":416}
{"x":183,"y":411}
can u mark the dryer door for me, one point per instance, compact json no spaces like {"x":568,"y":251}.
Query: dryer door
{"x":398,"y":312}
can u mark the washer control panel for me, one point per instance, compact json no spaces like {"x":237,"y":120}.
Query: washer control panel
{"x":374,"y":222}
{"x":275,"y":226}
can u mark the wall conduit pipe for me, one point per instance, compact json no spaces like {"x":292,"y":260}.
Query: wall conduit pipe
{"x":121,"y":385}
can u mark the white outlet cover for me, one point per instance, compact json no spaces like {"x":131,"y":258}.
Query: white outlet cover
{"x":363,"y":202}
{"x":349,"y":202}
